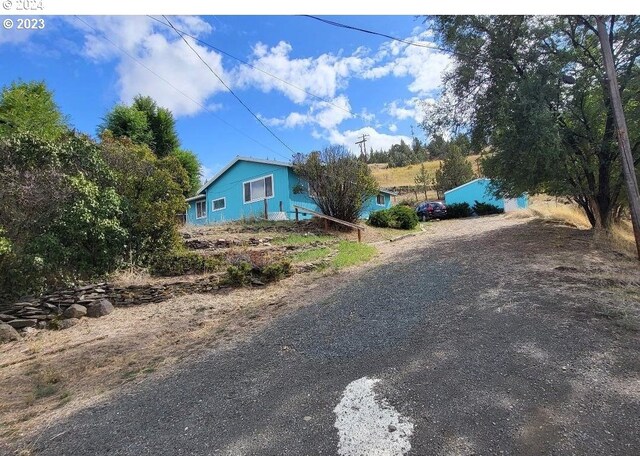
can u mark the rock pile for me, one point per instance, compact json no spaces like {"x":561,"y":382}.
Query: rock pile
{"x":63,"y":309}
{"x":199,"y":244}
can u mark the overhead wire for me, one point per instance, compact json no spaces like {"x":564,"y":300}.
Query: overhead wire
{"x":384,"y":35}
{"x":128,"y":54}
{"x":250,"y":65}
{"x":230,"y":90}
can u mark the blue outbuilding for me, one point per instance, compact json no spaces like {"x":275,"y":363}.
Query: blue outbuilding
{"x":250,"y":187}
{"x":479,"y":190}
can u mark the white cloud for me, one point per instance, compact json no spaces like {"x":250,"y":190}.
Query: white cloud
{"x":326,"y":115}
{"x":321,"y":76}
{"x":376,"y":139}
{"x":161,"y":51}
{"x":393,"y":128}
{"x":425,"y":65}
{"x":412,"y":108}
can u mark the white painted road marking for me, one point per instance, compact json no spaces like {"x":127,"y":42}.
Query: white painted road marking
{"x":370,"y":426}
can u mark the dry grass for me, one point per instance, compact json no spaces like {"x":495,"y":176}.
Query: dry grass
{"x":397,"y":177}
{"x":619,"y":238}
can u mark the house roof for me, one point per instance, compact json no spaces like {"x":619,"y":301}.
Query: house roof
{"x":464,"y":185}
{"x":197,"y":197}
{"x":388,"y":192}
{"x":236,"y":160}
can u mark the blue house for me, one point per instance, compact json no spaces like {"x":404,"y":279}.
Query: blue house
{"x":478,"y":190}
{"x":248,"y":187}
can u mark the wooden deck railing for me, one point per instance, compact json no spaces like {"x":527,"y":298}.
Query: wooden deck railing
{"x":327,"y":219}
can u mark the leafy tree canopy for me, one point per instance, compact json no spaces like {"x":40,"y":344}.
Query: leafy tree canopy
{"x":30,"y":107}
{"x":508,"y":88}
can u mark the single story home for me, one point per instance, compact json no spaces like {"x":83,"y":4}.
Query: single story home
{"x":478,"y":190}
{"x":248,"y":187}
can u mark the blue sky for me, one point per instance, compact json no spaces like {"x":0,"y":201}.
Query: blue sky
{"x":353,"y":83}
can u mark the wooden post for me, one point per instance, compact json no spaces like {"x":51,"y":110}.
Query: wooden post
{"x":628,"y":167}
{"x":266,"y":211}
{"x":359,"y":235}
{"x":297,"y":215}
{"x":281,"y":209}
{"x":326,"y":224}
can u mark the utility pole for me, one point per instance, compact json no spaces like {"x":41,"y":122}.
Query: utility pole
{"x":363,"y":147}
{"x":621,"y":128}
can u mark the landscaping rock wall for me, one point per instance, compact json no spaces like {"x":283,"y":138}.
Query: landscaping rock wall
{"x":40,"y":312}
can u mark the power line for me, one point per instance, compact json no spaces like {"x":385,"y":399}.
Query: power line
{"x":100,"y":35}
{"x":391,"y":37}
{"x":244,"y":62}
{"x":229,"y":88}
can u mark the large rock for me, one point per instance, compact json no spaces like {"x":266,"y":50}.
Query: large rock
{"x":75,"y":311}
{"x":99,"y":308}
{"x":23,"y":323}
{"x":68,"y":323}
{"x":7,"y":333}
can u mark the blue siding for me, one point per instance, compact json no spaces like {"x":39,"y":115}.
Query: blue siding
{"x":478,"y":190}
{"x":372,"y":205}
{"x":230,"y":185}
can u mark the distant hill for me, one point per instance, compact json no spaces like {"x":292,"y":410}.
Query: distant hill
{"x":397,"y":177}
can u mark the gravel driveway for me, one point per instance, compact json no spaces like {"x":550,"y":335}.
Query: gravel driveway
{"x":490,"y":343}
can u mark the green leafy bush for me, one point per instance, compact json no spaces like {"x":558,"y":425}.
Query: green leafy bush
{"x":486,"y":209}
{"x":459,"y":210}
{"x":276,"y":271}
{"x":239,"y":275}
{"x":181,"y":263}
{"x":381,"y":218}
{"x":403,"y":217}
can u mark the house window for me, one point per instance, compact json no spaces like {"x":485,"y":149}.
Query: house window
{"x":218,"y":204}
{"x":380,"y":199}
{"x":258,"y":189}
{"x":201,"y":209}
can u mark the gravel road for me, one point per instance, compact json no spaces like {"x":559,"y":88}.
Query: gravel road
{"x":476,"y":340}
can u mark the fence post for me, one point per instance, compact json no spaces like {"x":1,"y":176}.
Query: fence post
{"x":297,"y":215}
{"x":359,"y":235}
{"x":266,"y":213}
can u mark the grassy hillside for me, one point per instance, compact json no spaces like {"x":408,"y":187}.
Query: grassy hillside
{"x":395,"y":177}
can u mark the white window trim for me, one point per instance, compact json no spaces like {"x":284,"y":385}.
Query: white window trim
{"x":205,"y":209}
{"x":273,"y":189}
{"x":213,"y":209}
{"x":383,"y":199}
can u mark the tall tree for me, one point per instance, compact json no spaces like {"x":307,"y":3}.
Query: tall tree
{"x":422,"y":179}
{"x":533,"y":89}
{"x":339,"y":182}
{"x":30,"y":107}
{"x":454,"y":170}
{"x":161,"y":124}
{"x":127,"y":122}
{"x":191,"y":165}
{"x":146,"y":123}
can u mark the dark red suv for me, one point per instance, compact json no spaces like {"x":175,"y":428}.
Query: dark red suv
{"x":429,"y":210}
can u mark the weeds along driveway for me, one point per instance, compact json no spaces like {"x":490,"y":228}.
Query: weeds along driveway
{"x":498,"y":342}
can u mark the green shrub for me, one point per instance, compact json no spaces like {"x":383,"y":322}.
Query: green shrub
{"x":183,"y":262}
{"x":403,"y":217}
{"x":459,"y":210}
{"x":381,"y":218}
{"x":486,"y":209}
{"x":239,"y":275}
{"x":276,"y":271}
